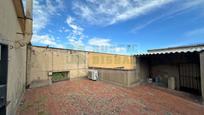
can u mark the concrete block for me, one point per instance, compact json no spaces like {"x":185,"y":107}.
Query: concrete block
{"x":171,"y":83}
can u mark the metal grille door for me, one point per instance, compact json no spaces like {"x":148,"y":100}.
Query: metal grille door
{"x":190,"y":81}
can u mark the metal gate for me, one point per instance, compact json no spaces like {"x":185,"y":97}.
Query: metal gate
{"x":3,"y":77}
{"x":189,"y":76}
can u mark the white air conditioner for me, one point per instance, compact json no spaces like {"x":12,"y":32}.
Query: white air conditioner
{"x":93,"y":75}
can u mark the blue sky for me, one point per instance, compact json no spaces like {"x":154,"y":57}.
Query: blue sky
{"x":118,"y":26}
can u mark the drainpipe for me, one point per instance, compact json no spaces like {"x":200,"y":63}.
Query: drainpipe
{"x":28,"y":25}
{"x":28,"y":35}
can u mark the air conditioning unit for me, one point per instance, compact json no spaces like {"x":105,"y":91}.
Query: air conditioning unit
{"x":93,"y":75}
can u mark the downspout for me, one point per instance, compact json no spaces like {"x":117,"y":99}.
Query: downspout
{"x":27,"y":36}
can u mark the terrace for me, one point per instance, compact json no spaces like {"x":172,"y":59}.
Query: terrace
{"x":82,"y":97}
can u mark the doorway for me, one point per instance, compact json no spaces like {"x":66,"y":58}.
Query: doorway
{"x":189,"y":76}
{"x":3,"y":77}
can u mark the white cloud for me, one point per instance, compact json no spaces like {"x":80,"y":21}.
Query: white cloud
{"x":119,"y":49}
{"x":40,"y":18}
{"x":43,"y":12}
{"x":99,"y":42}
{"x":183,"y":7}
{"x":77,"y":44}
{"x":112,"y":11}
{"x":143,"y":25}
{"x":76,"y":35}
{"x":104,"y":45}
{"x":46,"y":40}
{"x":64,"y":30}
{"x":70,"y":22}
{"x":191,"y":37}
{"x":143,"y":8}
{"x":109,"y":12}
{"x":196,"y":32}
{"x":76,"y":39}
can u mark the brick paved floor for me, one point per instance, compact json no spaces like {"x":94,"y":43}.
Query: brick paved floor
{"x":85,"y":97}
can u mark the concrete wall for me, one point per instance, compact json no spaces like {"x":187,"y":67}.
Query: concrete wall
{"x":108,"y":66}
{"x":9,"y":27}
{"x":132,"y":78}
{"x":117,"y":76}
{"x":102,"y":60}
{"x":202,"y":73}
{"x":142,"y":70}
{"x":44,"y":60}
{"x":165,"y":72}
{"x":127,"y":77}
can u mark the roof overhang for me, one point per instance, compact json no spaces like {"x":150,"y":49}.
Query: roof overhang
{"x":164,"y":53}
{"x":173,"y":50}
{"x":18,"y":4}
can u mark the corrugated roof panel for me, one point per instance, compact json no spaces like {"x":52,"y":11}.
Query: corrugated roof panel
{"x":196,"y":48}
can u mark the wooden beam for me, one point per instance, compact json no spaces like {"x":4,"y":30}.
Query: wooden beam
{"x":20,"y":13}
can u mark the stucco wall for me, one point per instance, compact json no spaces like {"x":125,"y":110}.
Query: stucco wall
{"x":44,"y":60}
{"x":102,"y":60}
{"x":9,"y":27}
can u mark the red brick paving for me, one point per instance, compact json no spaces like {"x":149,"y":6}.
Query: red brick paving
{"x":85,"y":97}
